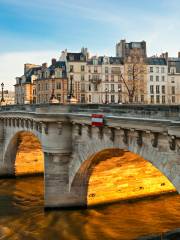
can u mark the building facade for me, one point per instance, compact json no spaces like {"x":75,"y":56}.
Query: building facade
{"x":51,"y":82}
{"x":173,"y":93}
{"x":157,"y":80}
{"x":130,"y":77}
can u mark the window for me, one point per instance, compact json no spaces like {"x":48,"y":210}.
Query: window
{"x":59,"y":97}
{"x":71,"y":77}
{"x":106,"y":70}
{"x":163,"y":90}
{"x":157,"y":89}
{"x":157,"y":78}
{"x":163,"y":99}
{"x":82,"y":87}
{"x":173,"y":90}
{"x":152,"y":98}
{"x":151,"y":78}
{"x":157,"y":69}
{"x":83,"y":98}
{"x":82,"y":77}
{"x":106,"y":78}
{"x":90,"y":100}
{"x":89,"y":87}
{"x":151,"y":89}
{"x":112,"y":98}
{"x":162,"y":70}
{"x":89,"y":69}
{"x":71,"y":68}
{"x":58,"y":85}
{"x":157,"y":99}
{"x":173,"y":99}
{"x":163,"y":78}
{"x":82,"y":68}
{"x":172,"y":70}
{"x":172,"y":80}
{"x":112,"y":78}
{"x":151,"y":69}
{"x":95,"y":69}
{"x":112,"y":87}
{"x":142,"y":98}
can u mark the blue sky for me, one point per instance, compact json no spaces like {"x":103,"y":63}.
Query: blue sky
{"x":36,"y":30}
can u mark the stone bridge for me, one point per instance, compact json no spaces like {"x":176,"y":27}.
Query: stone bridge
{"x":70,"y":143}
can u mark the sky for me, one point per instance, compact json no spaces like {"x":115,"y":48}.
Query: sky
{"x":34,"y":31}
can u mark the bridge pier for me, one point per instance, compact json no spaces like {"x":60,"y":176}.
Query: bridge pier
{"x":56,"y":181}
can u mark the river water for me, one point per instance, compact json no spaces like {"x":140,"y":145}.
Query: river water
{"x":22,"y":216}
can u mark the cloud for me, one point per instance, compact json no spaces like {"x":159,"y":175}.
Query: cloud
{"x":12,"y":64}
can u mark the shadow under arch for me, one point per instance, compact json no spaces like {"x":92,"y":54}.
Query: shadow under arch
{"x":81,"y":182}
{"x":23,"y":147}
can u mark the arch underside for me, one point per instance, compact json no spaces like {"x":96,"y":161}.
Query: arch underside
{"x":130,"y":177}
{"x":23,"y":155}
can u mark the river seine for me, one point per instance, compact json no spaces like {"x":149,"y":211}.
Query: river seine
{"x":22,"y":216}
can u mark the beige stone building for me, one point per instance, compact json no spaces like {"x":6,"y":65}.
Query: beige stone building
{"x":75,"y":69}
{"x":104,"y":80}
{"x":51,"y":82}
{"x":173,"y":93}
{"x":24,"y":84}
{"x":134,"y":82}
{"x":157,"y":80}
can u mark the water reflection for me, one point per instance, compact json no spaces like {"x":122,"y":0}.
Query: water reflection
{"x":22,"y":216}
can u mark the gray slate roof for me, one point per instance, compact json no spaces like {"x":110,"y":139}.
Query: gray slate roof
{"x":156,"y":61}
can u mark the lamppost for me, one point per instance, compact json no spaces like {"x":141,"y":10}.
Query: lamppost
{"x":106,"y":96}
{"x":53,"y":97}
{"x":2,"y":94}
{"x":71,"y":89}
{"x":119,"y":95}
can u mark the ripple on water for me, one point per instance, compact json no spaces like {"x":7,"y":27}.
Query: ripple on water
{"x":22,"y":216}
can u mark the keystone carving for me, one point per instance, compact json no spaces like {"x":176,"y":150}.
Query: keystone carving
{"x":154,"y":139}
{"x":139,"y":138}
{"x":125,"y":136}
{"x":17,"y":122}
{"x":45,"y":127}
{"x":172,"y":142}
{"x":22,"y":123}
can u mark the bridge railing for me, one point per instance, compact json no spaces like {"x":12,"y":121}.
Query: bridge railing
{"x":133,"y":110}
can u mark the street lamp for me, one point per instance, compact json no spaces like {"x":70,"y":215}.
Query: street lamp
{"x":106,"y":96}
{"x":70,"y":95}
{"x":119,"y":95}
{"x":2,"y":93}
{"x":53,"y":97}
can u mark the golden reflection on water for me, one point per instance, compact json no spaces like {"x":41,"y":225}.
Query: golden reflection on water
{"x":22,"y":216}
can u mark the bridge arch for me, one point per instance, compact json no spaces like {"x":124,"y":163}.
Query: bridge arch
{"x":30,"y":144}
{"x":88,"y":149}
{"x":102,"y":178}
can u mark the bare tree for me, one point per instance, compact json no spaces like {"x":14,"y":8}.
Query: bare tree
{"x":133,"y":79}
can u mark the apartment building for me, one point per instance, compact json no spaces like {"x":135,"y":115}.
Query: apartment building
{"x":173,"y":92}
{"x":76,"y":69}
{"x":51,"y":82}
{"x":157,"y":80}
{"x":25,"y":84}
{"x":133,"y":54}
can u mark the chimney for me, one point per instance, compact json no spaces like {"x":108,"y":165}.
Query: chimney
{"x":44,"y":65}
{"x":178,"y":54}
{"x":53,"y":61}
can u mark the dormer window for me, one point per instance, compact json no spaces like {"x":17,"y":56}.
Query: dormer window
{"x":172,"y":70}
{"x":71,"y":57}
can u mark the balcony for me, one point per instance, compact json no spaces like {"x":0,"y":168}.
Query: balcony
{"x":95,"y":80}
